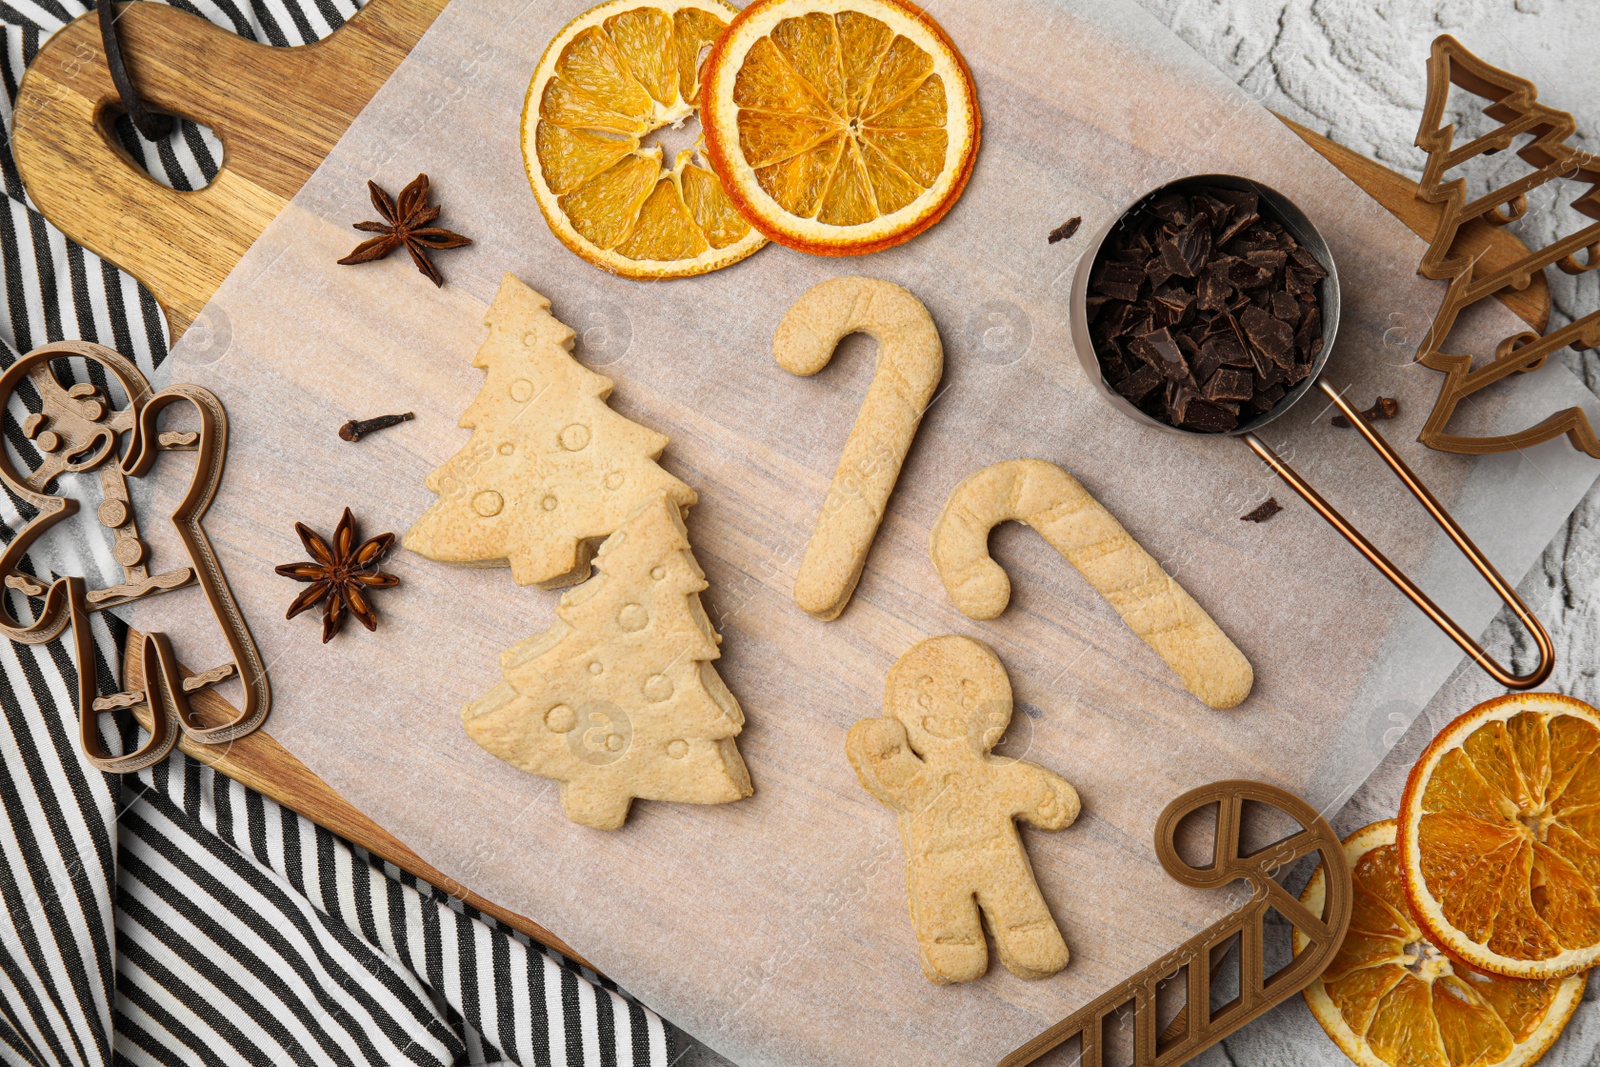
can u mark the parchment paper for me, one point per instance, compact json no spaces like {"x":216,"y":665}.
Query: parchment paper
{"x":776,"y":929}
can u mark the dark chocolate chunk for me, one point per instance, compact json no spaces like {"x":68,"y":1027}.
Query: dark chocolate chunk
{"x":1308,"y":264}
{"x":1243,"y":201}
{"x":1116,"y":320}
{"x":1241,"y":222}
{"x":1205,"y":365}
{"x":1253,"y":239}
{"x":1272,"y":259}
{"x":1066,"y":229}
{"x":1177,"y":300}
{"x":1243,"y":274}
{"x":1115,"y":369}
{"x":1268,"y":508}
{"x":1145,"y":352}
{"x":1194,"y":412}
{"x":1157,"y":271}
{"x":1299,"y":282}
{"x":1286,"y":307}
{"x":1226,"y":351}
{"x":1271,"y":337}
{"x":1212,"y":291}
{"x":1172,"y":208}
{"x":1119,"y":281}
{"x":1310,"y":330}
{"x":1140,"y":384}
{"x":1230,"y":384}
{"x":1168,"y":356}
{"x":1267,"y":373}
{"x":1194,"y":245}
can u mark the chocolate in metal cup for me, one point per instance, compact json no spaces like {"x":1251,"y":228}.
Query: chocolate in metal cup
{"x":1275,"y":206}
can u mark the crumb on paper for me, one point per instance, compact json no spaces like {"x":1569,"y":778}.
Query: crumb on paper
{"x":1268,"y":508}
{"x":1066,"y":229}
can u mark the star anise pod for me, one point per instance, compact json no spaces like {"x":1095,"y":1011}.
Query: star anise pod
{"x":339,"y":574}
{"x":406,"y":223}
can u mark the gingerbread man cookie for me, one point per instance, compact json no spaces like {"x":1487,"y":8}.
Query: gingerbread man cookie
{"x":927,"y":757}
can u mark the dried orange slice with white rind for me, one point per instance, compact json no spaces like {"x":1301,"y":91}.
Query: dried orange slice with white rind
{"x":1500,"y":837}
{"x":1391,"y":999}
{"x":616,"y":74}
{"x":840,"y":127}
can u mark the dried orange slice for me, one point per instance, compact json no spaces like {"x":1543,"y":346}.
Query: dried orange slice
{"x":1390,"y":999}
{"x":1500,"y":837}
{"x":840,"y":126}
{"x":617,"y":74}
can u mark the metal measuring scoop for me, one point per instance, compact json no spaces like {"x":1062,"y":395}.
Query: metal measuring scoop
{"x":1276,"y":205}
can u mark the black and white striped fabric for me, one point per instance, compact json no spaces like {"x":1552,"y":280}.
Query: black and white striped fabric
{"x":178,"y":917}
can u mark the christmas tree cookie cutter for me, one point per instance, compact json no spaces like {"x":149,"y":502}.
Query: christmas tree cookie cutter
{"x":1513,"y":101}
{"x":76,"y":429}
{"x":1191,"y":1032}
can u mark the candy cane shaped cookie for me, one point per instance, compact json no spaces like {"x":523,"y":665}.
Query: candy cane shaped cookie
{"x":910,"y":361}
{"x":1151,"y":602}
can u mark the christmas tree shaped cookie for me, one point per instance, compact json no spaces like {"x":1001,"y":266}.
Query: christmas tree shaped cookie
{"x":550,"y":470}
{"x":619,"y":699}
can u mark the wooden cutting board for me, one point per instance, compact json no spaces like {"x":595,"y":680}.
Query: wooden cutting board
{"x":278,"y":111}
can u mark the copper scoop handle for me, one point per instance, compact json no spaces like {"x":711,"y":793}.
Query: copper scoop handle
{"x":1547,"y":652}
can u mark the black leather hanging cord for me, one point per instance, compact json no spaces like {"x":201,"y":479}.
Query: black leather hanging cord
{"x":152,"y":126}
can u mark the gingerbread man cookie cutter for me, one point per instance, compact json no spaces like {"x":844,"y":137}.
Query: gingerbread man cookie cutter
{"x":910,"y":363}
{"x":77,"y":429}
{"x":1192,"y":1031}
{"x":1151,"y":602}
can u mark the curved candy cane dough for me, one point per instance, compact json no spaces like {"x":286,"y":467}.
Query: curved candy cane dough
{"x":910,"y":361}
{"x":1153,"y":604}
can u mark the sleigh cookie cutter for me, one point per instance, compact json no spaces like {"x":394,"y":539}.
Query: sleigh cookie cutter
{"x":1197,"y":1026}
{"x":76,"y":429}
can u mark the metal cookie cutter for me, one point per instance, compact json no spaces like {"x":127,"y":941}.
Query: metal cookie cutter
{"x":1197,"y":1026}
{"x":76,"y":429}
{"x":1275,"y":205}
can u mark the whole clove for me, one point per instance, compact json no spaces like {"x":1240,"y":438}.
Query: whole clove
{"x":356,"y":429}
{"x":1386,"y":407}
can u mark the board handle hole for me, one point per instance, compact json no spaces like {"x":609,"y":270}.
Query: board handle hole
{"x":187,"y":159}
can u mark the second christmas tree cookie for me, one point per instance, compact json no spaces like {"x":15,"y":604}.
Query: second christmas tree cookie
{"x":619,"y":699}
{"x":550,"y":470}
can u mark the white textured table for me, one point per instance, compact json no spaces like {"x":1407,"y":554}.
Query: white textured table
{"x":1354,"y":70}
